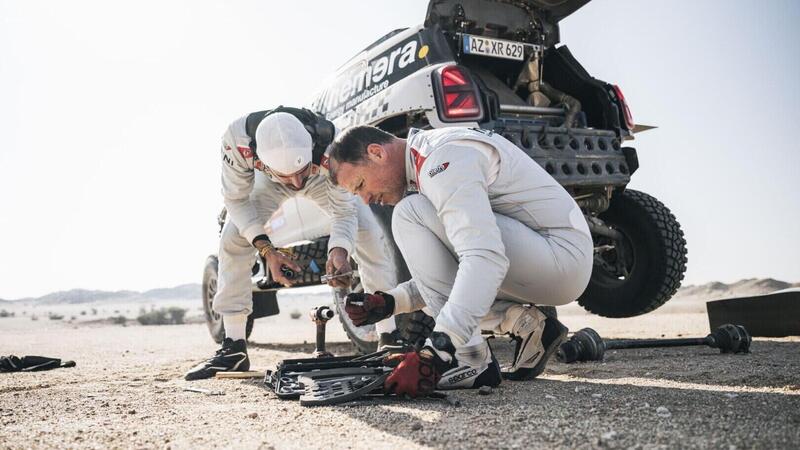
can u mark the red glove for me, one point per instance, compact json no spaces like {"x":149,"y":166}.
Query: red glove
{"x":415,"y":374}
{"x":364,"y":309}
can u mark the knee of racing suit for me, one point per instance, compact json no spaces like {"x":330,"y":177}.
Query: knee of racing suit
{"x":232,"y":242}
{"x":234,"y":285}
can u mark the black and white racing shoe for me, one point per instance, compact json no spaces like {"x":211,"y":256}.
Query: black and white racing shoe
{"x":470,"y":367}
{"x":231,"y":357}
{"x":537,"y":338}
{"x":472,"y":377}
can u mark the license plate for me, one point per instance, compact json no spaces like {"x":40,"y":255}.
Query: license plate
{"x":497,"y":48}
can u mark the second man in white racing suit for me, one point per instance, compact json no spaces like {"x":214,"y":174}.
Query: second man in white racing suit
{"x":261,"y":170}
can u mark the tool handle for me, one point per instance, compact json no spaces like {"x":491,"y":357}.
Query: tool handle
{"x":326,"y":278}
{"x":320,"y":336}
{"x":653,"y":343}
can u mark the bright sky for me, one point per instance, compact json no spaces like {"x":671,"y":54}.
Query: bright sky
{"x":111,"y":114}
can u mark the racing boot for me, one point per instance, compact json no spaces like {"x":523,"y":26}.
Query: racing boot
{"x":468,"y":367}
{"x":231,"y":357}
{"x":537,"y":338}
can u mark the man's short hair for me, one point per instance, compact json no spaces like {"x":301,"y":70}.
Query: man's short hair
{"x":350,"y":146}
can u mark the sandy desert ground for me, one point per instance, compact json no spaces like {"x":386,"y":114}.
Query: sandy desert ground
{"x":127,"y":392}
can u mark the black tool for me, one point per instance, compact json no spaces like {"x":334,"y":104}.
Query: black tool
{"x":587,"y":345}
{"x":334,"y":380}
{"x":284,"y":380}
{"x":330,"y":389}
{"x":320,"y":316}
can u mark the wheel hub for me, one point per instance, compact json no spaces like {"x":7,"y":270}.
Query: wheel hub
{"x":615,"y":258}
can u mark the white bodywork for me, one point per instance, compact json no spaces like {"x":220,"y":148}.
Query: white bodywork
{"x":300,"y":220}
{"x":371,"y":70}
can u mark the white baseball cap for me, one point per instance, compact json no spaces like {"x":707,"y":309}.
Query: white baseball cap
{"x":282,"y":143}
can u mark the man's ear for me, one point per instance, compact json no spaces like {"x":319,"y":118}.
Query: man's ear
{"x":376,"y":153}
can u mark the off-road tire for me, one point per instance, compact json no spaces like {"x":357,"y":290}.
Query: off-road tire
{"x":415,"y":327}
{"x":365,"y":338}
{"x":656,"y":262}
{"x":214,"y":320}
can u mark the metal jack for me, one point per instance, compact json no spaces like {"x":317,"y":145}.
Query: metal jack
{"x":320,"y":316}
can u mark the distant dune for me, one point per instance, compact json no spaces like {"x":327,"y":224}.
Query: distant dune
{"x":714,"y":290}
{"x":76,"y":296}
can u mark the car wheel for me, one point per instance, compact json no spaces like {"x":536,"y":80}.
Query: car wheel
{"x":364,"y":338}
{"x":642,"y":270}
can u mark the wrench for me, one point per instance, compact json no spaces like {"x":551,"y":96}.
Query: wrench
{"x":325,"y":278}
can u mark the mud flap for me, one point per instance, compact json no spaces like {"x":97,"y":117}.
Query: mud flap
{"x":265,"y":303}
{"x":770,"y":315}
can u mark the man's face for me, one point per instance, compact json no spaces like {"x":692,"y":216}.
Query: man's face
{"x":375,"y":179}
{"x":294,"y":181}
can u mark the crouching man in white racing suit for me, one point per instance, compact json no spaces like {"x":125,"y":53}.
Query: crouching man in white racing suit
{"x":488,"y":235}
{"x":267,"y":158}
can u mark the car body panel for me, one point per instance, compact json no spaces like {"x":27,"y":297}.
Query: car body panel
{"x":389,"y":78}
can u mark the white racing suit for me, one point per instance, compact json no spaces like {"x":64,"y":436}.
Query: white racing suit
{"x":489,"y":229}
{"x":251,"y":197}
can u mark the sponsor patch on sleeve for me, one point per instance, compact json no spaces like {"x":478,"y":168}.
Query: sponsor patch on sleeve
{"x":245,"y":152}
{"x":438,"y":169}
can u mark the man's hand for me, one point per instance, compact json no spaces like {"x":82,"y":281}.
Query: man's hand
{"x":414,"y":374}
{"x":277,"y":259}
{"x":364,"y":309}
{"x":417,"y":373}
{"x":338,"y":263}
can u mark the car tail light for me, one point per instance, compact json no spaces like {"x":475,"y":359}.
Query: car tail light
{"x":624,"y":104}
{"x":458,"y":94}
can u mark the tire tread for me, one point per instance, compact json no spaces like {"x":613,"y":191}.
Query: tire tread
{"x":672,"y":261}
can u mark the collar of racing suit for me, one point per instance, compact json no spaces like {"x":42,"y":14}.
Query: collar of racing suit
{"x":412,"y":160}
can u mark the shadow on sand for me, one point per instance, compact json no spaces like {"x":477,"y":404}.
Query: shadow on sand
{"x":691,"y":396}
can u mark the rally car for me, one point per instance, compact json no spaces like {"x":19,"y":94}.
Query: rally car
{"x":498,"y":65}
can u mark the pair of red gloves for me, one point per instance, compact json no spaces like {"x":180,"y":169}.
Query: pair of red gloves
{"x":415,"y":373}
